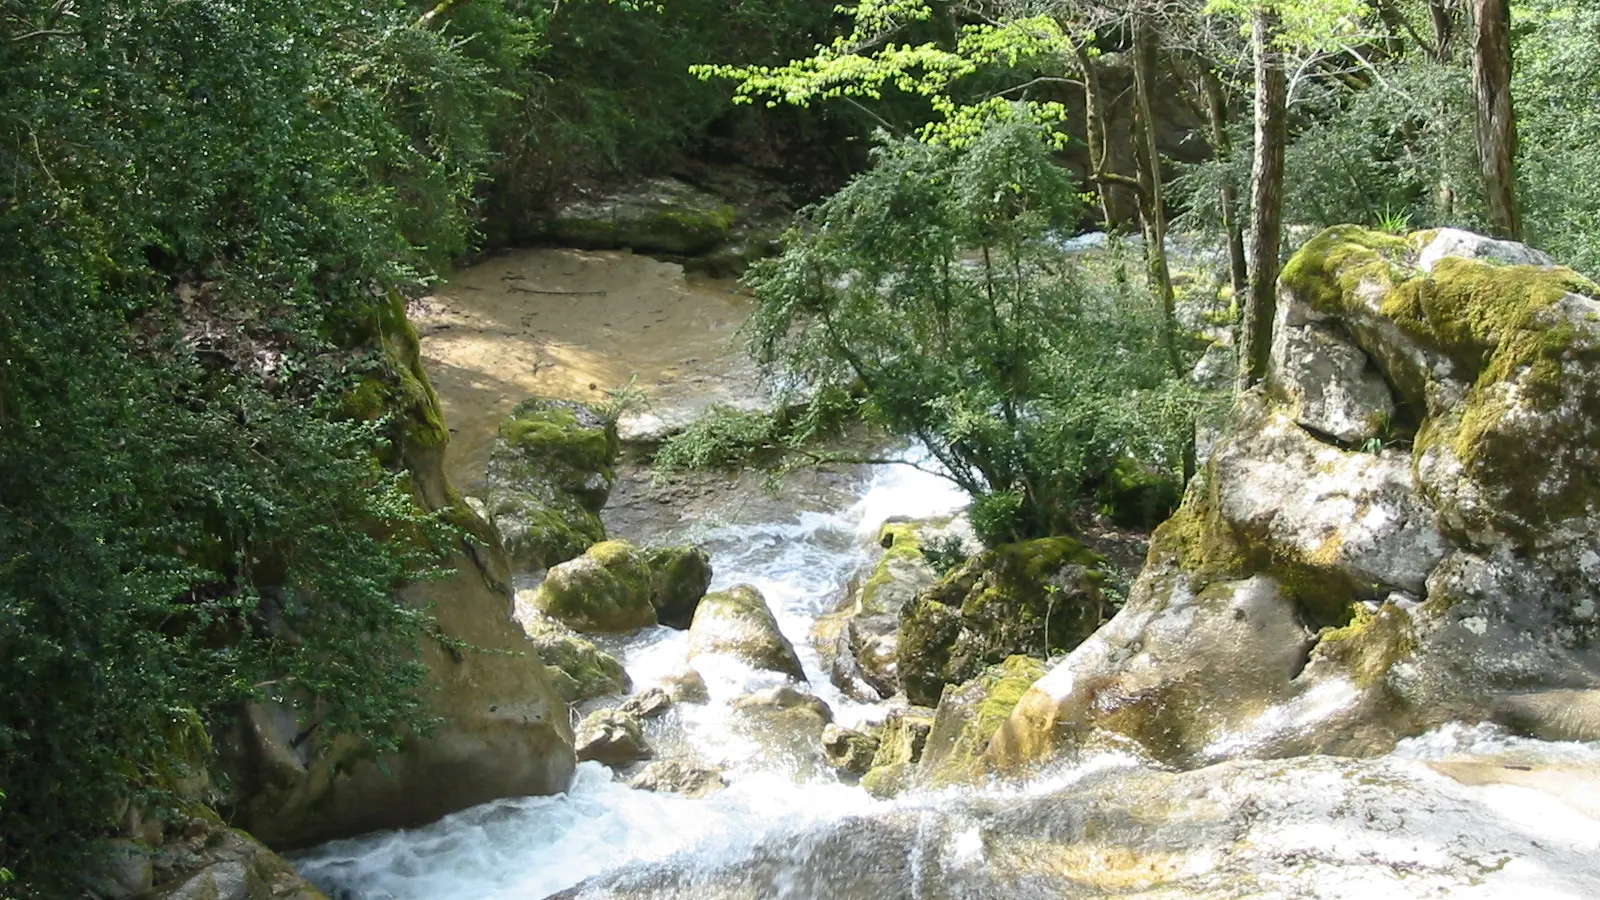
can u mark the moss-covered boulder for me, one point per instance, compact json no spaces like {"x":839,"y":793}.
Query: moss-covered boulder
{"x":737,"y":623}
{"x":1316,"y":594}
{"x":967,"y":718}
{"x":604,"y":591}
{"x":1035,"y":597}
{"x":577,"y":668}
{"x":550,"y":472}
{"x":661,"y":215}
{"x":900,"y":745}
{"x":206,"y":860}
{"x":848,"y":750}
{"x":1134,"y":495}
{"x":679,"y":577}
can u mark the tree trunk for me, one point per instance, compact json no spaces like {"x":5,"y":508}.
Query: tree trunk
{"x":1443,"y":15}
{"x":1497,"y":121}
{"x":1152,"y":207}
{"x":1217,"y":114}
{"x":1266,"y":200}
{"x":1094,"y":128}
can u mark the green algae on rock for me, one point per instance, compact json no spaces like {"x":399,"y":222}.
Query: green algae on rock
{"x":604,"y":591}
{"x":737,"y":623}
{"x":679,"y":577}
{"x":549,"y":474}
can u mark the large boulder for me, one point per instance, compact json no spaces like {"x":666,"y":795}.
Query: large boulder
{"x":206,"y":860}
{"x":737,"y":623}
{"x":578,"y":670}
{"x":661,"y":215}
{"x":679,"y":577}
{"x":502,"y":730}
{"x":1031,"y":598}
{"x":604,"y":591}
{"x":1333,"y":587}
{"x":550,"y":472}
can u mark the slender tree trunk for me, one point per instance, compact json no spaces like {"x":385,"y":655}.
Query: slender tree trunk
{"x":1217,"y":113}
{"x":1094,"y":128}
{"x":1497,"y":121}
{"x":1152,"y":209}
{"x":1266,"y":200}
{"x":1442,"y":13}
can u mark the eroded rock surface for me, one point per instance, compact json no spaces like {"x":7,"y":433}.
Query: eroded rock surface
{"x":1340,"y":576}
{"x":737,"y":623}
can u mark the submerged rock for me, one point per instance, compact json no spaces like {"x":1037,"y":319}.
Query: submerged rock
{"x":679,"y":577}
{"x":651,"y":704}
{"x":604,"y":591}
{"x":577,"y":668}
{"x":675,"y":777}
{"x":1311,"y":597}
{"x":550,"y":472}
{"x":786,"y":697}
{"x":612,"y":737}
{"x":998,"y":605}
{"x":737,"y":623}
{"x":686,"y":687}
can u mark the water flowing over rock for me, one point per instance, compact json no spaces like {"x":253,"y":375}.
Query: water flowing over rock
{"x":1025,"y":598}
{"x":604,"y":591}
{"x":675,"y":777}
{"x":1316,"y":827}
{"x":737,"y":623}
{"x":613,"y":737}
{"x":550,"y":472}
{"x":849,"y":750}
{"x":1316,"y":595}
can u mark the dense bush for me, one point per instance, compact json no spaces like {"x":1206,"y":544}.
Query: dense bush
{"x":205,"y":210}
{"x":936,"y":282}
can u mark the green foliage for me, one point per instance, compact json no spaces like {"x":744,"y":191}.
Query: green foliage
{"x":1557,"y":91}
{"x":731,"y":439}
{"x":934,"y":281}
{"x":204,"y":211}
{"x":945,"y":553}
{"x":867,"y":63}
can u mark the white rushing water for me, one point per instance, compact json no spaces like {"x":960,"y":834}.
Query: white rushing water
{"x":531,"y":847}
{"x":1344,"y":834}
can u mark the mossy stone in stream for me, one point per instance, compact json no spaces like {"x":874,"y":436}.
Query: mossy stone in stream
{"x":606,"y":590}
{"x":969,"y":715}
{"x":737,"y":623}
{"x":578,"y":669}
{"x":549,"y":474}
{"x":1035,"y":597}
{"x":679,"y":577}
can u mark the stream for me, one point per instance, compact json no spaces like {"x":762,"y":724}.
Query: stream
{"x":1464,"y":812}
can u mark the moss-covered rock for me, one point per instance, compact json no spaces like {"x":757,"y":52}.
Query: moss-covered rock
{"x":604,"y":591}
{"x":549,"y":474}
{"x":737,"y":623}
{"x":848,"y":750}
{"x":1035,"y":597}
{"x":577,"y":668}
{"x":968,"y":717}
{"x":203,"y":859}
{"x":662,"y":215}
{"x":1134,"y":495}
{"x":679,"y":577}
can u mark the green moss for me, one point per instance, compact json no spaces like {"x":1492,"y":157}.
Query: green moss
{"x":1327,"y":270}
{"x":1134,"y":495}
{"x":605,"y":591}
{"x":902,"y":545}
{"x":969,"y":715}
{"x":544,"y":430}
{"x":1370,"y":645}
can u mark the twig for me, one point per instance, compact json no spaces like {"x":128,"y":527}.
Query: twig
{"x":523,"y":290}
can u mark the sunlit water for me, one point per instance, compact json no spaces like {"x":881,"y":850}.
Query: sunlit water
{"x":526,"y":849}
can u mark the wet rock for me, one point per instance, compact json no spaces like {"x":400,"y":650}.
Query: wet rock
{"x":606,"y":590}
{"x":651,"y":704}
{"x":612,"y":737}
{"x":968,"y":716}
{"x":1221,"y":833}
{"x":675,"y":777}
{"x":904,"y":734}
{"x":121,"y":869}
{"x":209,"y":861}
{"x":888,"y":781}
{"x":998,"y":605}
{"x":550,"y":472}
{"x":785,"y":697}
{"x":849,"y":750}
{"x":737,"y":623}
{"x":686,"y":687}
{"x":679,"y":577}
{"x":577,"y":668}
{"x":660,"y":215}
